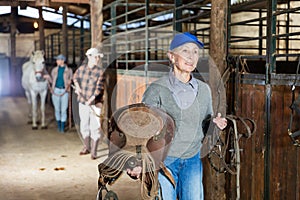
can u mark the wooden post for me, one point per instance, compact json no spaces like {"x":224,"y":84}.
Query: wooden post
{"x":214,"y":182}
{"x":13,"y":32}
{"x":41,"y":29}
{"x":65,"y":33}
{"x":96,"y":31}
{"x":218,"y":49}
{"x":96,"y":22}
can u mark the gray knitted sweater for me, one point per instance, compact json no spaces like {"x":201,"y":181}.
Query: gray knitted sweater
{"x":188,"y":122}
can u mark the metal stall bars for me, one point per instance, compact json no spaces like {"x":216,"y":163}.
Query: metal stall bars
{"x":138,"y":34}
{"x":78,"y":36}
{"x":271,"y":50}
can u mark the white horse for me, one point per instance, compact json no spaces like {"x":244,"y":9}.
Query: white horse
{"x":35,"y":84}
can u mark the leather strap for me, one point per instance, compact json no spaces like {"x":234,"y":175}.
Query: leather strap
{"x":167,"y":174}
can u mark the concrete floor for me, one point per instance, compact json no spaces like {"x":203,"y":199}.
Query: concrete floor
{"x":42,"y":164}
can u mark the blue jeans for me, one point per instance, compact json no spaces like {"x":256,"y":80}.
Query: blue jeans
{"x":60,"y":104}
{"x":187,"y":174}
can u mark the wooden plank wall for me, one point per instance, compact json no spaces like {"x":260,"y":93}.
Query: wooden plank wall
{"x":130,"y":89}
{"x":285,"y":160}
{"x":251,"y":104}
{"x":284,"y":157}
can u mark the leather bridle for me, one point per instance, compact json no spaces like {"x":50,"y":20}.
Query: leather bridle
{"x":39,"y":73}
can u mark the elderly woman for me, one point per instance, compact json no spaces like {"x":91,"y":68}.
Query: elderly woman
{"x":189,"y":101}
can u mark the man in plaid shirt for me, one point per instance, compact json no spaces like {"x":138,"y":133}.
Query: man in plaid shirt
{"x":89,"y":82}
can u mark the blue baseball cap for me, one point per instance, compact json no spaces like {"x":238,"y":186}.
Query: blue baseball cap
{"x":60,"y":57}
{"x":183,"y":38}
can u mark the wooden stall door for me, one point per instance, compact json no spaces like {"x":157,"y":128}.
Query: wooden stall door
{"x":284,"y":157}
{"x":285,"y":160}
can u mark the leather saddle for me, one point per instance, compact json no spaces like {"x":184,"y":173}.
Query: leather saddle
{"x":139,"y":136}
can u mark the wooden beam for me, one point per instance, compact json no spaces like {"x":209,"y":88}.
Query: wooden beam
{"x":13,"y":41}
{"x":218,"y":47}
{"x":215,"y":182}
{"x":41,"y":30}
{"x":65,"y":33}
{"x":72,"y":1}
{"x":96,"y":23}
{"x":42,"y":3}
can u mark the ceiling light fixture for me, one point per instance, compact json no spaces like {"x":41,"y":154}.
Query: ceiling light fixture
{"x":35,"y":25}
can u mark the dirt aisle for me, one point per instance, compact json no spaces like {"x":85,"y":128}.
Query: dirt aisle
{"x":42,"y":164}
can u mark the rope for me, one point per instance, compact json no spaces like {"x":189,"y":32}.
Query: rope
{"x":93,"y":110}
{"x":111,"y":168}
{"x":70,"y":111}
{"x":149,"y":187}
{"x":237,"y":158}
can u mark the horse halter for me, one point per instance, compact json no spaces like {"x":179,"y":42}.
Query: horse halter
{"x":39,"y":73}
{"x":39,"y":76}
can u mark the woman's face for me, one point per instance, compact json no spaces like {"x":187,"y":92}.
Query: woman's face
{"x":185,"y":57}
{"x":60,"y":62}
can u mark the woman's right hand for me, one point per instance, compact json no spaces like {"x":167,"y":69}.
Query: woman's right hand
{"x":135,"y":172}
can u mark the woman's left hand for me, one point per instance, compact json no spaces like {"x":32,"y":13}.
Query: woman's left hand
{"x":47,"y":77}
{"x":221,"y":122}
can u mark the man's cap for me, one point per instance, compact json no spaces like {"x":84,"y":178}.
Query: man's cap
{"x":93,"y":52}
{"x":60,"y":57}
{"x":183,"y":38}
